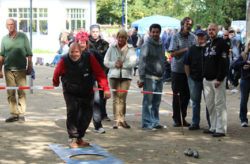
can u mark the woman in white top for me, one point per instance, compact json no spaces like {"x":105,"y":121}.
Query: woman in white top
{"x":120,"y":59}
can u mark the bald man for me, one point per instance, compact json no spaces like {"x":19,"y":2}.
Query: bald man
{"x":215,"y":70}
{"x":15,"y":50}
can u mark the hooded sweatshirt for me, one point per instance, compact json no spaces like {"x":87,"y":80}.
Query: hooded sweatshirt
{"x":151,"y":61}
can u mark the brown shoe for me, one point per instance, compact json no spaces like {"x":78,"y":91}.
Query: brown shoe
{"x":125,"y":125}
{"x":116,"y":125}
{"x":82,"y":143}
{"x":73,"y":143}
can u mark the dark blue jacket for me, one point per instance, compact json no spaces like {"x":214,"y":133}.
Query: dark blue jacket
{"x":239,"y":63}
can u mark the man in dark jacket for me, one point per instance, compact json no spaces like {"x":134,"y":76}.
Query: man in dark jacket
{"x":215,"y":70}
{"x":98,"y":47}
{"x":193,"y":67}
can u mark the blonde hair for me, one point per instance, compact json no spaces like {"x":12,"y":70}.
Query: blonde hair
{"x":247,"y":50}
{"x":122,"y":32}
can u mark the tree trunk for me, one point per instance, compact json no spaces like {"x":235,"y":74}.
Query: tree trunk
{"x":248,"y":22}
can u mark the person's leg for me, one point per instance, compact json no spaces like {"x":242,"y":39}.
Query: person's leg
{"x":195,"y":94}
{"x":125,"y":84}
{"x":97,"y":118}
{"x":220,"y":107}
{"x":157,"y":87}
{"x":185,"y":96}
{"x":21,"y":82}
{"x":209,"y":94}
{"x":175,"y":103}
{"x":114,"y":84}
{"x":85,"y":113}
{"x":244,"y":90}
{"x":11,"y":82}
{"x":147,"y":105}
{"x":72,"y":105}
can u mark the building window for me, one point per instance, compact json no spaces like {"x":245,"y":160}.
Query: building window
{"x":75,"y":19}
{"x":39,"y":19}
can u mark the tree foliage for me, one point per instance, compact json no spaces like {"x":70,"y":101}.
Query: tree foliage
{"x":202,"y":11}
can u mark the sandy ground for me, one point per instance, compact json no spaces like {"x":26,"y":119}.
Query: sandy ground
{"x":22,"y":143}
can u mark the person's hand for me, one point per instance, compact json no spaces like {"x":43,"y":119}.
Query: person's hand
{"x":140,"y":84}
{"x":118,"y":64}
{"x":107,"y":94}
{"x":248,"y":62}
{"x":217,"y":84}
{"x":246,"y":67}
{"x":28,"y":70}
{"x":234,"y":59}
{"x":1,"y":74}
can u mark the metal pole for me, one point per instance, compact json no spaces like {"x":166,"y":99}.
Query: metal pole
{"x":31,"y":24}
{"x":123,"y":13}
{"x":90,"y":12}
{"x":30,"y":79}
{"x":126,"y":18}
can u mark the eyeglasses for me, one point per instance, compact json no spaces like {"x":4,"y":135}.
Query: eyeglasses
{"x":225,"y":35}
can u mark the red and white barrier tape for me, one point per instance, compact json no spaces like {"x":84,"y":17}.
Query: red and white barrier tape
{"x":56,"y":88}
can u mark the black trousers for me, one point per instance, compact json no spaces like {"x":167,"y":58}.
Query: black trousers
{"x":99,"y":105}
{"x":180,"y":85}
{"x":79,"y":114}
{"x":99,"y":102}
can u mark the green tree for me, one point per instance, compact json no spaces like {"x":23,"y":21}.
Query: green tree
{"x":202,"y":11}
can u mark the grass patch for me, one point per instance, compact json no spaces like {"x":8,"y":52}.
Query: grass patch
{"x":39,"y":51}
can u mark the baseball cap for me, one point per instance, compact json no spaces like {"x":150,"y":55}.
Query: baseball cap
{"x":200,"y":32}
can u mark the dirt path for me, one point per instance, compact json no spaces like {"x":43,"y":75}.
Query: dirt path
{"x":28,"y":142}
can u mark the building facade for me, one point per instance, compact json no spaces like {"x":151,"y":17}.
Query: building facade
{"x":50,"y":18}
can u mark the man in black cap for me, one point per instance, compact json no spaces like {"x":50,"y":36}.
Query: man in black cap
{"x":193,"y":67}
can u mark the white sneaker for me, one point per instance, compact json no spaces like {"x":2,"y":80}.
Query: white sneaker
{"x":235,"y":91}
{"x":244,"y":124}
{"x":100,"y":130}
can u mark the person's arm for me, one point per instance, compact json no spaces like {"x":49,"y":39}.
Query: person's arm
{"x":29,"y":66}
{"x":178,"y":52}
{"x":187,"y":62}
{"x":142,"y":63}
{"x":59,"y":71}
{"x":239,"y":63}
{"x":107,"y":59}
{"x":1,"y":65}
{"x":100,"y":76}
{"x":187,"y":70}
{"x":28,"y":55}
{"x":222,"y":58}
{"x":174,"y":47}
{"x":1,"y":59}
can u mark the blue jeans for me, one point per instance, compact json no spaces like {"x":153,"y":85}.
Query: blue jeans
{"x":151,"y":103}
{"x":57,"y":59}
{"x":195,"y":88}
{"x":244,"y":90}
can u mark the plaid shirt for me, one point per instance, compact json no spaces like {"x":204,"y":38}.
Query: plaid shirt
{"x":178,"y":42}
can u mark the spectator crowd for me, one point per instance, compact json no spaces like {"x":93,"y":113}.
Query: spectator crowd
{"x":199,"y":63}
